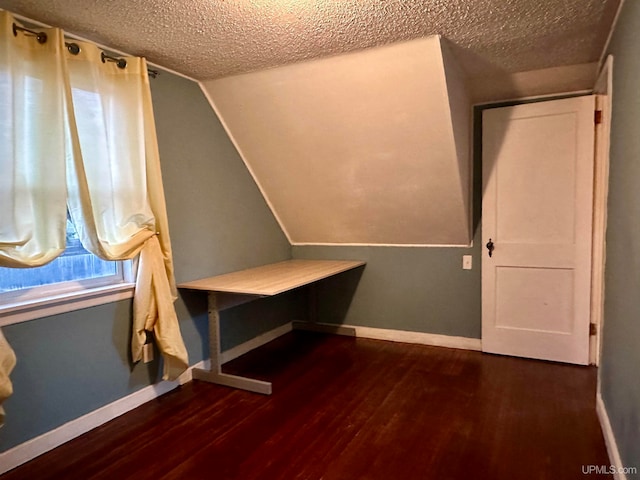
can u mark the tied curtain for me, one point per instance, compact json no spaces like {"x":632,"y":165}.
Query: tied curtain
{"x":116,"y":198}
{"x":78,"y":132}
{"x":7,"y":362}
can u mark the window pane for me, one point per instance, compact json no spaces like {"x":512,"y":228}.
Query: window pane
{"x":74,"y":264}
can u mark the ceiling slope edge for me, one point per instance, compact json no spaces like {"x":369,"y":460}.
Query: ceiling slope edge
{"x":238,"y":147}
{"x":461,"y":117}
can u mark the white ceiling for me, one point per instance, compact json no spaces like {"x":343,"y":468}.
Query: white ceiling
{"x":207,"y":39}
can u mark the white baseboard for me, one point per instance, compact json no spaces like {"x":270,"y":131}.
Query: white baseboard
{"x":609,"y":439}
{"x":30,"y":449}
{"x":463,"y":343}
{"x":48,"y":441}
{"x":432,"y":339}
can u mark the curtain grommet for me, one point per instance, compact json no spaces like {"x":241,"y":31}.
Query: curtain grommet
{"x":73,"y":48}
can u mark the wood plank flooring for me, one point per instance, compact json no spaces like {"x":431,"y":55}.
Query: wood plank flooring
{"x":350,"y":408}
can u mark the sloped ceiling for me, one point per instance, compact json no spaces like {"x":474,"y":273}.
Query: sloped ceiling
{"x":208,"y":39}
{"x":365,"y":148}
{"x":352,"y":118}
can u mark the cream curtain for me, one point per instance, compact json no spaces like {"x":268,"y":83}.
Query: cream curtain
{"x":79,"y":132}
{"x":33,"y":104}
{"x":117,"y":197}
{"x":33,"y":192}
{"x":7,"y":362}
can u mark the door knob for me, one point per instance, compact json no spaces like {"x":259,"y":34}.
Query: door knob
{"x":490,"y":247}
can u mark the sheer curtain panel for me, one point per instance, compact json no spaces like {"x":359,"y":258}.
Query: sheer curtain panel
{"x":116,"y":195}
{"x":77,"y":132}
{"x":33,"y":112}
{"x":7,"y":362}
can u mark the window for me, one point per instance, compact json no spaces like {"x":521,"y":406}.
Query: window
{"x":72,"y":277}
{"x":76,"y":279}
{"x":39,"y":134}
{"x":75,"y":269}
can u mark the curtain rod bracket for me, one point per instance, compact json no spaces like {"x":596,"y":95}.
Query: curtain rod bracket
{"x":74,"y":48}
{"x":40,"y":36}
{"x":120,"y":62}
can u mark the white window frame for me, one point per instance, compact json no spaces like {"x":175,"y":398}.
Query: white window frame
{"x":61,"y":297}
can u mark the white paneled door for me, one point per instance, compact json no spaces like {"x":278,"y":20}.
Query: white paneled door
{"x":537,"y":225}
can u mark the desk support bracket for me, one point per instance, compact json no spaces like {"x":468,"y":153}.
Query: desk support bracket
{"x":214,"y":374}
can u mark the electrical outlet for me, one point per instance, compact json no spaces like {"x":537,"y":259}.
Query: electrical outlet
{"x":147,"y":352}
{"x":467,"y":262}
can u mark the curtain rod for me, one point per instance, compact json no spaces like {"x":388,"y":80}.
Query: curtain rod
{"x":74,"y":48}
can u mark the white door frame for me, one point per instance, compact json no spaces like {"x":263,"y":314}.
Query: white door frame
{"x":604,"y":89}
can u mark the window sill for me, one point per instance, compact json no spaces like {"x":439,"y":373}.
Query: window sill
{"x":24,"y":311}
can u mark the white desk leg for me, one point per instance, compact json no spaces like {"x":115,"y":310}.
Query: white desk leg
{"x":215,"y":375}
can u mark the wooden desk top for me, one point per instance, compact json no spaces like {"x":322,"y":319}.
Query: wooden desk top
{"x":273,"y":279}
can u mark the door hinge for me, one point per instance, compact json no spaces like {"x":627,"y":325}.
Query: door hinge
{"x":597,"y":117}
{"x":593,"y":329}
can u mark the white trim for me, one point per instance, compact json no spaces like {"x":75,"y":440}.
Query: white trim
{"x":604,"y":89}
{"x":399,"y":245}
{"x":403,"y":336}
{"x":432,"y":339}
{"x":33,"y":309}
{"x":609,"y":439}
{"x":48,"y":441}
{"x":30,"y":449}
{"x":544,"y":96}
{"x":244,"y":159}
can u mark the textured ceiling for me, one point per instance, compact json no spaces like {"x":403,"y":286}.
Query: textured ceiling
{"x":208,"y":39}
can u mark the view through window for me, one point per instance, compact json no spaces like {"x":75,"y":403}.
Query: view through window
{"x":76,"y":266}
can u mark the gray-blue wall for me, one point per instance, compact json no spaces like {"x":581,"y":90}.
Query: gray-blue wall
{"x":417,"y":289}
{"x":71,"y":364}
{"x":412,"y":289}
{"x":620,"y":381}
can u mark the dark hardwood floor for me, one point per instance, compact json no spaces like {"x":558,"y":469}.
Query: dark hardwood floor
{"x":346,"y":408}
